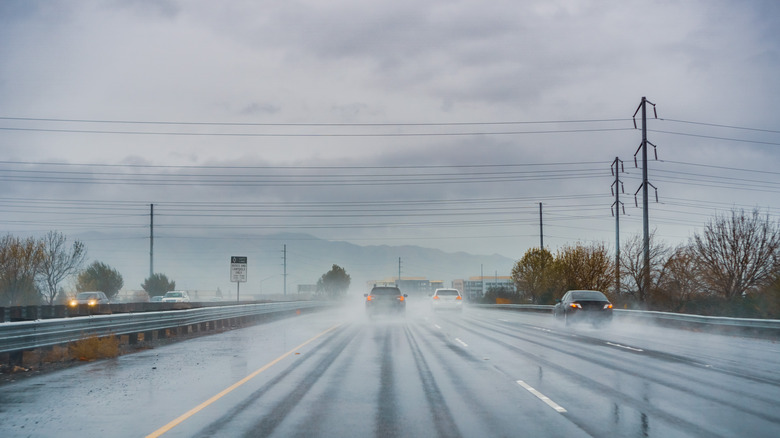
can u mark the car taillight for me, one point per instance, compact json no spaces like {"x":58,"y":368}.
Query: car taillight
{"x":608,"y":306}
{"x":576,"y":305}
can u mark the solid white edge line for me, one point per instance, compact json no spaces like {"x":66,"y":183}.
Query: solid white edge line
{"x":461,"y":342}
{"x":542,"y":397}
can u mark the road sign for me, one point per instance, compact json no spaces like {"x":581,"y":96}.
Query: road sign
{"x":238,"y":269}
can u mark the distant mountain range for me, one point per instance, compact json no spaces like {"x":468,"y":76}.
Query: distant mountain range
{"x":203,"y":263}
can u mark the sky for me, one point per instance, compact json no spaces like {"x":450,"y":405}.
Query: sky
{"x":442,"y":124}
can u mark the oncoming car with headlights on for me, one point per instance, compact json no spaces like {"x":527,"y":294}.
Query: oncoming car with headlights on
{"x":583,"y":306}
{"x":91,"y":299}
{"x":385,"y":300}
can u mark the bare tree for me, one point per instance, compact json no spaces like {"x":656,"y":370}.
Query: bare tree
{"x":58,"y":262}
{"x":680,"y":279}
{"x":632,"y":264}
{"x":20,"y":260}
{"x":739,"y":253}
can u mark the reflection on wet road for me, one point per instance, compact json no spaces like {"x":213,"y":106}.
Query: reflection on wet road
{"x":475,"y":374}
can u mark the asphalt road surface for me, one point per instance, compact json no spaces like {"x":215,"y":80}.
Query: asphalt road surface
{"x":482,"y":373}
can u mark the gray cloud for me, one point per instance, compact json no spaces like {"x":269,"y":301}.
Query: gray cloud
{"x":284,"y":64}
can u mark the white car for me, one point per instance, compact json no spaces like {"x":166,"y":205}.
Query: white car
{"x":449,"y":299}
{"x":176,"y":296}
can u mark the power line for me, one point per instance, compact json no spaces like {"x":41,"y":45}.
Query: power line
{"x":412,"y":166}
{"x":258,"y":134}
{"x":716,"y":125}
{"x":151,"y":122}
{"x":712,"y":137}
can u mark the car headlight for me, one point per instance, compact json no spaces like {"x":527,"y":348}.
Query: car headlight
{"x":92,"y":302}
{"x":73,"y":303}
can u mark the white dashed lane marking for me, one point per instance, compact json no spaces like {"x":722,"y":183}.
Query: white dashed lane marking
{"x":625,"y":347}
{"x":542,"y":397}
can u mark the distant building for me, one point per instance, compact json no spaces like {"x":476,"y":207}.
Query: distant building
{"x":475,"y":287}
{"x":418,"y":286}
{"x":460,"y":285}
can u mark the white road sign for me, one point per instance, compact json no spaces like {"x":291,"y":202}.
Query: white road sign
{"x":238,"y":269}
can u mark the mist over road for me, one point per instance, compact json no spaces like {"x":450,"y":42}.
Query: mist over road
{"x":479,"y":373}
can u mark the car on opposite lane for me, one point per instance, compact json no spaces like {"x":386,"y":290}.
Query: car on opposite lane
{"x":447,"y":299}
{"x":385,"y":300}
{"x":583,"y":306}
{"x":176,"y":296}
{"x":91,"y":298}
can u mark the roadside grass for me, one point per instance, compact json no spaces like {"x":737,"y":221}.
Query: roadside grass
{"x":93,"y":347}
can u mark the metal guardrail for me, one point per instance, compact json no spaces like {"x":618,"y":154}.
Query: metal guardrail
{"x":715,"y":321}
{"x":28,"y":335}
{"x":771,"y":326}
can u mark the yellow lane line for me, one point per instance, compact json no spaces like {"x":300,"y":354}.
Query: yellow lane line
{"x":227,"y":390}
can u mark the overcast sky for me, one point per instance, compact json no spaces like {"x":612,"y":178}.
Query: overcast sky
{"x":437,"y":123}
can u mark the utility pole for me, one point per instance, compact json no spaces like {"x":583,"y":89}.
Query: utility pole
{"x":541,"y":228}
{"x":482,"y":278}
{"x":644,"y":187}
{"x":284,"y":257}
{"x":617,"y":167}
{"x":151,"y":241}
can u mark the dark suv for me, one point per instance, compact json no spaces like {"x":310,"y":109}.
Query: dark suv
{"x":385,"y":299}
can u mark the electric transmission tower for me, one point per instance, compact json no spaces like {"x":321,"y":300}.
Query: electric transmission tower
{"x":617,"y":188}
{"x":645,"y":287}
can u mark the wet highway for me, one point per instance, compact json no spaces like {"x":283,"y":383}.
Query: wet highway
{"x":482,"y":373}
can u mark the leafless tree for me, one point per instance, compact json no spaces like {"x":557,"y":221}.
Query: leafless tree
{"x":58,"y":262}
{"x":680,"y":279}
{"x":632,"y":264}
{"x":738,"y":252}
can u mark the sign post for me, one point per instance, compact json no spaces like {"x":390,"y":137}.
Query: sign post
{"x":238,"y":272}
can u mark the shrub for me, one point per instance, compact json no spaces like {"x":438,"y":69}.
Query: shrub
{"x":93,"y":347}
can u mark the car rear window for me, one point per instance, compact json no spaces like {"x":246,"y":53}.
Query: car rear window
{"x":447,"y":292}
{"x":589,"y":295}
{"x":386,"y":291}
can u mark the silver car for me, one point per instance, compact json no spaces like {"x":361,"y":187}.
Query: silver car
{"x":91,"y":299}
